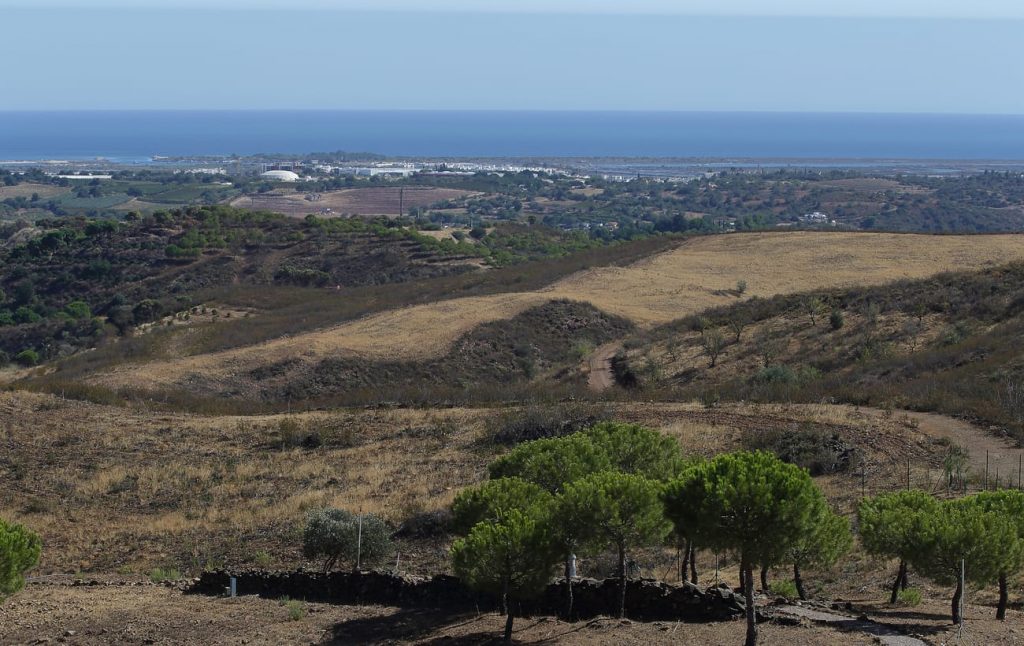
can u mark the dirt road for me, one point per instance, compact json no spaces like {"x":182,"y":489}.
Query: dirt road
{"x":600,"y":376}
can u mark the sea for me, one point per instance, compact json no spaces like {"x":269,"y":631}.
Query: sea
{"x":140,"y":136}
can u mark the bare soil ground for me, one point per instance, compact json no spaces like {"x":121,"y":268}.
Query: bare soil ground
{"x":697,"y":275}
{"x":135,"y":612}
{"x":149,"y":614}
{"x":384,"y":200}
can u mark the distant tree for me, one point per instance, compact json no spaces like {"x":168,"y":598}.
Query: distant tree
{"x":741,"y":287}
{"x":713,"y":344}
{"x":750,"y":503}
{"x":512,"y":557}
{"x":889,"y":527}
{"x":338,"y":535}
{"x":19,"y":553}
{"x":617,"y":509}
{"x":814,"y":308}
{"x":478,"y":233}
{"x":768,"y":348}
{"x":737,"y":322}
{"x":78,"y":310}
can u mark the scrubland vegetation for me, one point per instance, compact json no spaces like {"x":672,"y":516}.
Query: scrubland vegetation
{"x":208,"y":387}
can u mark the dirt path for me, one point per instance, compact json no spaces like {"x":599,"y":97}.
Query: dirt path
{"x":885,"y":635}
{"x":600,"y":376}
{"x":997,"y":455}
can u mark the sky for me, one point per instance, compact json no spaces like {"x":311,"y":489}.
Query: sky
{"x":932,"y":56}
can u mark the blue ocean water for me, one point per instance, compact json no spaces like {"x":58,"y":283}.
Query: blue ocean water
{"x":125,"y":135}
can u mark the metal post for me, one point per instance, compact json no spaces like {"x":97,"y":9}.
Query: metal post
{"x":359,"y":543}
{"x":986,"y":470}
{"x":908,"y":474}
{"x":234,"y":587}
{"x":1020,"y":463}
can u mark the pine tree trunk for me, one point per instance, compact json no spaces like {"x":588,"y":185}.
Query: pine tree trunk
{"x":799,"y":582}
{"x":897,"y":582}
{"x":748,"y":595}
{"x":956,"y":601}
{"x":743,"y":577}
{"x":568,"y":587}
{"x":764,"y":578}
{"x":904,"y":579}
{"x":693,"y":564}
{"x":622,"y":581}
{"x":508,"y":627}
{"x":1004,"y":597}
{"x":684,"y":564}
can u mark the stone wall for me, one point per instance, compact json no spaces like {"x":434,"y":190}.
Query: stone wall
{"x":645,"y":599}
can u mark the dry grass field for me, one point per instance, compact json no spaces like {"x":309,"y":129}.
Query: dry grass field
{"x":115,"y":492}
{"x":699,"y":274}
{"x":384,"y":200}
{"x":114,"y":488}
{"x":27,"y":189}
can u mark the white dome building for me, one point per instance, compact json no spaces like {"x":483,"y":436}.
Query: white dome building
{"x":280,"y":176}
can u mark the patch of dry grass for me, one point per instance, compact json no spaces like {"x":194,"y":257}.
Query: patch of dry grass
{"x":700,"y":274}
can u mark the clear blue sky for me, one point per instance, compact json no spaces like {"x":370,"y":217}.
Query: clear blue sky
{"x":791,"y":55}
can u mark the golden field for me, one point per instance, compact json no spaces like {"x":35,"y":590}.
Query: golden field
{"x":701,"y":273}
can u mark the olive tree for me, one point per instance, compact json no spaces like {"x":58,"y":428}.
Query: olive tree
{"x":1009,"y":504}
{"x":750,"y":503}
{"x":337,"y":535}
{"x":889,"y":528}
{"x":511,"y":557}
{"x":19,"y":552}
{"x":617,"y":509}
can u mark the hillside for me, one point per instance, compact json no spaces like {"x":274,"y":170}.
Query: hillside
{"x":699,"y":274}
{"x":949,"y":343}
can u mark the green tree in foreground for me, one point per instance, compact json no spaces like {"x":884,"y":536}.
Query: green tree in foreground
{"x":632,"y":448}
{"x":888,"y":528}
{"x":511,"y":557}
{"x":961,"y":531}
{"x":492,"y":500}
{"x":338,"y":535}
{"x":827,"y":539}
{"x":19,"y":553}
{"x":750,"y":503}
{"x":1009,"y":504}
{"x":552,"y":462}
{"x":618,"y":509}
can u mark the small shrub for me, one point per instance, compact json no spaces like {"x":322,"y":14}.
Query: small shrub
{"x":909,"y":597}
{"x":784,"y":589}
{"x":537,"y":422}
{"x":296,"y":609}
{"x":27,"y":358}
{"x":427,"y":524}
{"x":741,"y":287}
{"x":19,"y":553}
{"x":159,"y":574}
{"x":836,"y":319}
{"x":262,"y":559}
{"x":817,"y":451}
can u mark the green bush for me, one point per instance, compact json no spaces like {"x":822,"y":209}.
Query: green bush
{"x":19,"y":553}
{"x":159,"y":574}
{"x":836,"y":319}
{"x":537,"y":422}
{"x":335,"y":535}
{"x":908,"y":597}
{"x":27,"y":358}
{"x":296,"y":609}
{"x":817,"y":451}
{"x":785,"y":589}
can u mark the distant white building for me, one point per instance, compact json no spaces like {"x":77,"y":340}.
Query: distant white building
{"x":817,"y":216}
{"x":280,"y":176}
